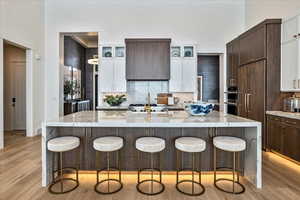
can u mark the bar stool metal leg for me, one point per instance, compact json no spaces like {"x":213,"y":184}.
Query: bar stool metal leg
{"x":108,"y":168}
{"x":234,"y":182}
{"x":193,"y":182}
{"x":151,"y":180}
{"x":60,"y":177}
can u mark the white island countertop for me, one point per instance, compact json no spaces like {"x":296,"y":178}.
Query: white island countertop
{"x":130,"y":119}
{"x":251,"y":131}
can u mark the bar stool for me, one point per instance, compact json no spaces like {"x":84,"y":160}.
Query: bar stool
{"x":109,"y":144}
{"x":60,"y":145}
{"x":234,"y":145}
{"x":194,"y":146}
{"x":150,"y":145}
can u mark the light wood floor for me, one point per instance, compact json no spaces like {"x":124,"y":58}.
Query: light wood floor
{"x":20,"y":178}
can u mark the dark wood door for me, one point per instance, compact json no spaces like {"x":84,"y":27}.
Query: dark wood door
{"x":242,"y":89}
{"x":256,"y":91}
{"x":256,"y":95}
{"x":253,"y":45}
{"x":291,"y":141}
{"x":209,"y":68}
{"x":232,"y":62}
{"x":229,"y":63}
{"x":235,"y":61}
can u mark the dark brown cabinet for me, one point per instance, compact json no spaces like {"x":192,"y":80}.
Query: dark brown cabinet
{"x":232,"y":62}
{"x":275,"y":140}
{"x":284,"y":136}
{"x":251,"y":91}
{"x":148,"y":59}
{"x":257,"y":52}
{"x":252,"y":45}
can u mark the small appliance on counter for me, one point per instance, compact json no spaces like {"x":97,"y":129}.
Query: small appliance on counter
{"x":167,"y":99}
{"x":291,"y":104}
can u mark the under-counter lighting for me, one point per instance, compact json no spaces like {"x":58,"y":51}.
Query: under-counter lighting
{"x":168,"y":177}
{"x":281,"y":160}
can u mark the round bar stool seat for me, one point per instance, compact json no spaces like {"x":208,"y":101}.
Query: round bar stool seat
{"x":60,"y":145}
{"x":228,"y":143}
{"x":109,"y":144}
{"x":234,"y":145}
{"x":150,"y":145}
{"x":191,"y":145}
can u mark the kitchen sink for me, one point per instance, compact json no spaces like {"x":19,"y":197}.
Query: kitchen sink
{"x":140,"y":108}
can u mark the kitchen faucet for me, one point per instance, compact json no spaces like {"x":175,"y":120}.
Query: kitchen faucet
{"x":148,"y":105}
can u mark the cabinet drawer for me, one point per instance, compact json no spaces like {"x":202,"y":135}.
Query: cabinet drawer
{"x":284,"y":120}
{"x":289,"y":121}
{"x":275,"y":118}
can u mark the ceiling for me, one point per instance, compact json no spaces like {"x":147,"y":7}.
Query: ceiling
{"x":88,"y":40}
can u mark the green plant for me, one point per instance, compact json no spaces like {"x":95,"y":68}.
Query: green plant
{"x":115,"y":100}
{"x":71,"y":88}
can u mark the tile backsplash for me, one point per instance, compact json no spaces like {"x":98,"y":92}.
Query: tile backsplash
{"x":137,"y":91}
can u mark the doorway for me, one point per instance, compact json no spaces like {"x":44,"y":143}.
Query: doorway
{"x":14,"y":91}
{"x":79,"y":72}
{"x":209,"y":78}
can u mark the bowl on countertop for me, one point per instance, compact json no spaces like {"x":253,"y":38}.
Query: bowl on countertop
{"x":199,"y":108}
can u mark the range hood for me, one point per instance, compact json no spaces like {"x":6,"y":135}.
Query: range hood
{"x":147,"y":59}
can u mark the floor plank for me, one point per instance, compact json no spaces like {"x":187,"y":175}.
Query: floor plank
{"x":20,"y":178}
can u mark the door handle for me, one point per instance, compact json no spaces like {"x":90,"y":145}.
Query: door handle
{"x":246,"y":108}
{"x":248,"y":102}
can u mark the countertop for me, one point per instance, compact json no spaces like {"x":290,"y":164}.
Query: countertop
{"x":129,"y":119}
{"x":284,"y":114}
{"x":112,"y":108}
{"x":125,"y":107}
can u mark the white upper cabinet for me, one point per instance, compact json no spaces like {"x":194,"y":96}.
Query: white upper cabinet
{"x":183,"y":75}
{"x":175,"y":83}
{"x":189,"y":75}
{"x":290,"y":65}
{"x":106,"y":75}
{"x":119,"y":83}
{"x":112,"y":68}
{"x":290,"y":29}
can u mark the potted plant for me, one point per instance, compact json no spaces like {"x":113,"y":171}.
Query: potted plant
{"x":71,"y":89}
{"x":68,"y":89}
{"x":114,"y":100}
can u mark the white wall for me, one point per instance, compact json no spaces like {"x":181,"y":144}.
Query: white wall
{"x":210,"y":24}
{"x":258,"y":10}
{"x":1,"y":97}
{"x":22,"y":22}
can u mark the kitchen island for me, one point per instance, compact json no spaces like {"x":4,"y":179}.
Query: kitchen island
{"x":89,"y":125}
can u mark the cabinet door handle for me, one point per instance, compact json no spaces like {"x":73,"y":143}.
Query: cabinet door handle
{"x":290,"y":122}
{"x":245,"y":99}
{"x":294,"y":84}
{"x":248,"y":95}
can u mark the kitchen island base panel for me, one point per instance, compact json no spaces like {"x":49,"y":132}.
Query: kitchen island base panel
{"x":250,"y":162}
